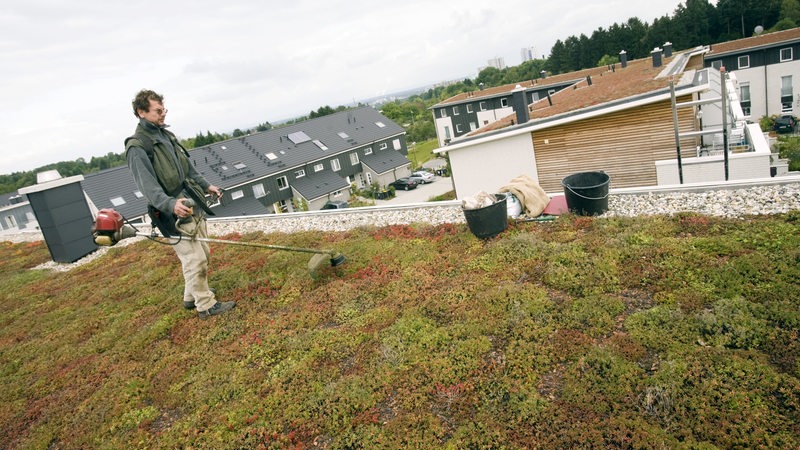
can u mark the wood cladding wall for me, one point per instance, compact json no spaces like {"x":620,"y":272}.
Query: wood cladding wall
{"x":623,"y":144}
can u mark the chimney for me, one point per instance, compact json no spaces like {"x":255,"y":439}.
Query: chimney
{"x":519,"y":104}
{"x":623,"y":59}
{"x":543,"y":73}
{"x":667,"y":49}
{"x":480,"y":86}
{"x":656,"y":57}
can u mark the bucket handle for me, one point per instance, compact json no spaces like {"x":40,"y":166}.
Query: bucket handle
{"x":583,"y":196}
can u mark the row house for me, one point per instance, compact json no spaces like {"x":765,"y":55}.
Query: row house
{"x":299,"y":166}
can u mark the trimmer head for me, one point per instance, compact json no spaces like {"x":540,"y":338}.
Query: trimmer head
{"x":319,"y":259}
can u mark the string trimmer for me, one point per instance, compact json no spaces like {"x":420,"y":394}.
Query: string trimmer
{"x":109,"y":228}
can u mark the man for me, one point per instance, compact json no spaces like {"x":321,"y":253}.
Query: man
{"x":165,"y":176}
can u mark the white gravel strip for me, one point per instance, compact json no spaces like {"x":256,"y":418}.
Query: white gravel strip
{"x":737,"y":202}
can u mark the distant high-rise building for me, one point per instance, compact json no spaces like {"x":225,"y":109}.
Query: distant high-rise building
{"x":528,"y":53}
{"x":497,"y":63}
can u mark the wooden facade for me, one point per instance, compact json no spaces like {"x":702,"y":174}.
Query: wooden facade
{"x":623,"y":144}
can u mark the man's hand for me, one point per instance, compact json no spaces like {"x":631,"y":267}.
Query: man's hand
{"x":181,"y":210}
{"x":214,"y":191}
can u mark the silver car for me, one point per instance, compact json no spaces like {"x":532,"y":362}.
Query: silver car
{"x":422,"y":177}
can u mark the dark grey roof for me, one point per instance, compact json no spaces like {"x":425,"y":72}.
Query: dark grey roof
{"x":319,"y":184}
{"x":272,"y":152}
{"x":245,"y":206}
{"x":238,"y":161}
{"x":382,"y":161}
{"x":116,"y":183}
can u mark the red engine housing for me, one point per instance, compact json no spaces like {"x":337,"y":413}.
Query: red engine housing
{"x":108,"y":221}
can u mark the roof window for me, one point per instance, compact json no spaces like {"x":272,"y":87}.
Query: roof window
{"x":299,"y":137}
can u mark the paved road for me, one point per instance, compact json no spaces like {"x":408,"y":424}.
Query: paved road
{"x":421,"y":194}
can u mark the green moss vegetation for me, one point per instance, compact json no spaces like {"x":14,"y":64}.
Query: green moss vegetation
{"x":657,"y":332}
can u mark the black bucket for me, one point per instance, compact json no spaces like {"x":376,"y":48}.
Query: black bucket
{"x":489,"y":221}
{"x":586,"y":193}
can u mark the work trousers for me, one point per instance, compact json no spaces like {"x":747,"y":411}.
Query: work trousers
{"x":194,"y":257}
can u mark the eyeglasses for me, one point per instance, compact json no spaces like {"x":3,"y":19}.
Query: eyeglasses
{"x":160,"y":111}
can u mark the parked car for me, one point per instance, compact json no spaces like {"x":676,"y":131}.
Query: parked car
{"x":785,"y":124}
{"x":404,"y":183}
{"x":335,"y":204}
{"x":422,"y":177}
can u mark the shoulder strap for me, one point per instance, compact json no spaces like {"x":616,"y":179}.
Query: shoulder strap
{"x":145,"y":142}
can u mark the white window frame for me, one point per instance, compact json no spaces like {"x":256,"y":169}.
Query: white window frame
{"x":743,"y":61}
{"x":283,"y":182}
{"x":367,"y":151}
{"x":383,"y":146}
{"x":354,"y":159}
{"x":236,"y":195}
{"x":786,"y":54}
{"x":482,"y":106}
{"x":258,"y":190}
{"x":744,"y":88}
{"x":458,"y":128}
{"x":335,"y":165}
{"x":456,"y":110}
{"x":396,"y":144}
{"x":503,"y":102}
{"x":443,"y":113}
{"x":469,"y":108}
{"x":319,"y":167}
{"x":299,"y":173}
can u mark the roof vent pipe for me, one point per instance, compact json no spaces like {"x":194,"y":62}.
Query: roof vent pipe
{"x":667,"y":49}
{"x":656,"y":57}
{"x":519,"y":104}
{"x":623,"y":59}
{"x":589,"y":79}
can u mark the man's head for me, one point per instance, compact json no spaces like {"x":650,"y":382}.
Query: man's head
{"x":149,"y":105}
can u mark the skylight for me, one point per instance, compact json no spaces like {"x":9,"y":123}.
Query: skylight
{"x":117,"y":201}
{"x":240,"y":165}
{"x":299,"y":137}
{"x":380,"y":124}
{"x":343,"y":135}
{"x":320,"y":144}
{"x":271,"y":156}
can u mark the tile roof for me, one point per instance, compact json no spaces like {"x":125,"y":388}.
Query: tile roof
{"x":271,"y":152}
{"x":238,"y":161}
{"x":316,"y":185}
{"x":607,"y":85}
{"x":754,"y":42}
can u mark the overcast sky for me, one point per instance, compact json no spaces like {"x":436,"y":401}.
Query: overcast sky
{"x":71,"y":69}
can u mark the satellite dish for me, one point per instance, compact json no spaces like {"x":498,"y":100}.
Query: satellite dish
{"x":759,"y":29}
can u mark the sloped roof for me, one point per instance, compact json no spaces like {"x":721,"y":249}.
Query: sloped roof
{"x":237,"y":161}
{"x":382,"y":161}
{"x":761,"y":40}
{"x":316,"y":185}
{"x":607,"y":85}
{"x":506,"y":89}
{"x":245,"y":206}
{"x":280,"y":149}
{"x":116,"y":183}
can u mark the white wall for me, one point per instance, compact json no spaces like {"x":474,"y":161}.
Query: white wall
{"x":765,"y":87}
{"x":490,"y":166}
{"x":741,"y":166}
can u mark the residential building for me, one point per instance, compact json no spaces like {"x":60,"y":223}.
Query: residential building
{"x":464,"y":113}
{"x":620,"y":121}
{"x":296,"y":167}
{"x":16,"y":213}
{"x":767,"y":67}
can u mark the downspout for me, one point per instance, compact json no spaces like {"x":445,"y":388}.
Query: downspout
{"x":724,"y":88}
{"x":675,"y":125}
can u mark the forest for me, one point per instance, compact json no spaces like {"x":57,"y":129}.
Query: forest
{"x":693,"y":23}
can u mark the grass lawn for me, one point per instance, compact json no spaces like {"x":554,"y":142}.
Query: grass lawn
{"x":656,"y":332}
{"x":421,"y":152}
